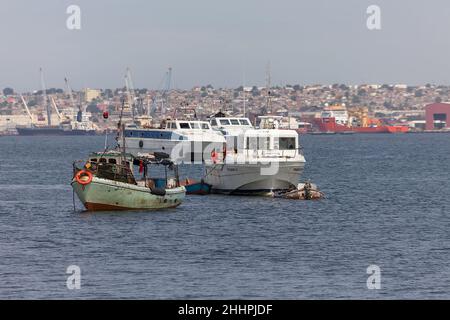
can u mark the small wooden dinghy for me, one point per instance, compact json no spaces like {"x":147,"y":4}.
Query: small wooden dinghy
{"x":304,"y":191}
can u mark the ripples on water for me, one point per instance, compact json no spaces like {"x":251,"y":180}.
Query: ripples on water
{"x":387,"y":204}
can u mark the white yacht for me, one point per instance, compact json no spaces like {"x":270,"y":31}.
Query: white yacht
{"x":184,"y":140}
{"x":256,"y":161}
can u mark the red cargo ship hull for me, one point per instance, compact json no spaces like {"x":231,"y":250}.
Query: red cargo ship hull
{"x":330,"y":125}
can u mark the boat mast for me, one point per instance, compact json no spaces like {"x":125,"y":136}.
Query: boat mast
{"x":243,"y":92}
{"x":268,"y":85}
{"x":130,"y":93}
{"x":123,"y":142}
{"x":44,"y":92}
{"x":121,"y":130}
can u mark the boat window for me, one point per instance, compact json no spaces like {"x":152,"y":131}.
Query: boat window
{"x":213,"y":122}
{"x":113,"y":161}
{"x":184,"y":125}
{"x":205,"y":126}
{"x":234,"y":122}
{"x":195,"y":125}
{"x":102,"y":160}
{"x":263,"y":143}
{"x":244,"y":122}
{"x":252,"y":143}
{"x":287,"y":143}
{"x":94,"y":160}
{"x":224,"y":122}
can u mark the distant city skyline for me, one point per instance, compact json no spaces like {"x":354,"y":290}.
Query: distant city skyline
{"x":225,"y":44}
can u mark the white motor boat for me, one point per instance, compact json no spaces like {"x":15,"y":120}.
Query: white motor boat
{"x":184,"y":140}
{"x":256,"y":161}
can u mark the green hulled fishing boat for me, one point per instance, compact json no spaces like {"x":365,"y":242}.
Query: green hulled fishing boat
{"x":106,"y":182}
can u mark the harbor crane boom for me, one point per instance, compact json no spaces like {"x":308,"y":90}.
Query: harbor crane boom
{"x":56,"y":108}
{"x":26,"y":108}
{"x":72,"y":101}
{"x":44,"y":92}
{"x":166,"y":90}
{"x":69,"y":92}
{"x":130,"y":92}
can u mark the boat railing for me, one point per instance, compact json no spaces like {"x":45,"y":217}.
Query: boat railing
{"x":276,"y":153}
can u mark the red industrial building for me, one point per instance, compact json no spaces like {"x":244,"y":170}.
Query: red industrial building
{"x":437,"y":116}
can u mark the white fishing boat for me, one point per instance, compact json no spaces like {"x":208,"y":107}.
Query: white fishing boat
{"x":184,"y":140}
{"x":256,"y":161}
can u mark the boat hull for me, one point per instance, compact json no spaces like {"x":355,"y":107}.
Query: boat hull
{"x":248,"y":179}
{"x":329,"y":125}
{"x":198,"y":188}
{"x":103,"y":194}
{"x":179,"y":151}
{"x":53,"y":131}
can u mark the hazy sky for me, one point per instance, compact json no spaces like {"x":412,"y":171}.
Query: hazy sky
{"x":223,"y":42}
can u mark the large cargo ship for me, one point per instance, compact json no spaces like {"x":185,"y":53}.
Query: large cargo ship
{"x":78,"y":124}
{"x":336,"y":119}
{"x":52,"y":131}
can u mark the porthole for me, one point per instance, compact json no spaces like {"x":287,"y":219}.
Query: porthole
{"x":141,"y":144}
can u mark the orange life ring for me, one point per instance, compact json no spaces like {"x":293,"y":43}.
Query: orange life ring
{"x":80,"y":177}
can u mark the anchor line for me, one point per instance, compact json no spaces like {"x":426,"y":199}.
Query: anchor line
{"x":73,"y":200}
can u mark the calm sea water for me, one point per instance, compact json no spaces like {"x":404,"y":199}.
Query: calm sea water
{"x":388,"y":203}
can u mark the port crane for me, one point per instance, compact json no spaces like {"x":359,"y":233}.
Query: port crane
{"x":72,"y":101}
{"x":27,"y":109}
{"x":44,"y":92}
{"x":130,"y":93}
{"x":164,"y":96}
{"x":56,"y":109}
{"x":165,"y":92}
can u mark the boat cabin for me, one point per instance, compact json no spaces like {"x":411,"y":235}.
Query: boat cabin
{"x":113,"y":165}
{"x":270,"y":122}
{"x":187,"y":125}
{"x":266,"y":140}
{"x":230,"y":123}
{"x":111,"y":157}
